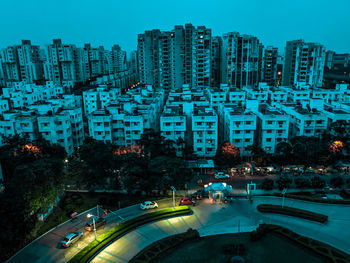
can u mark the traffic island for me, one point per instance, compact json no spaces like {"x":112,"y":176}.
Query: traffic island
{"x":315,"y":199}
{"x":291,"y":211}
{"x":91,"y":250}
{"x":324,"y":251}
{"x":153,"y":251}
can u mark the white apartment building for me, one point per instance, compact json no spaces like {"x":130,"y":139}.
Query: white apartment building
{"x":99,"y":98}
{"x":259,"y":94}
{"x":277,"y":96}
{"x":204,"y":131}
{"x":239,"y":127}
{"x":273,"y":125}
{"x":306,"y":119}
{"x":173,"y":125}
{"x":57,"y":129}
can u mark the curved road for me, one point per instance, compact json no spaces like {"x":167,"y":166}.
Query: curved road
{"x":239,"y":216}
{"x":208,"y":219}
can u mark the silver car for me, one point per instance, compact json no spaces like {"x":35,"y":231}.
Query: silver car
{"x":71,"y":239}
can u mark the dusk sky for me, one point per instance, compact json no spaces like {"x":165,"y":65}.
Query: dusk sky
{"x":108,"y":22}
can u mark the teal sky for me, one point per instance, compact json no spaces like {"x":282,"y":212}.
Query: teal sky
{"x":108,"y":22}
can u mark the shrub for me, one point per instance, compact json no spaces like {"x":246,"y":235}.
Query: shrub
{"x":103,"y":240}
{"x":317,"y":182}
{"x":337,"y":181}
{"x":302,"y":183}
{"x":267,"y":184}
{"x":283,"y":183}
{"x":291,"y":211}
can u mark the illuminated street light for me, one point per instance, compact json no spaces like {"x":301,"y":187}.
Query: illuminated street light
{"x":93,"y":220}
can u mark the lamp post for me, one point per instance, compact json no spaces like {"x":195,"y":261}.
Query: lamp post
{"x":283,"y":193}
{"x":93,"y":221}
{"x":174,"y":190}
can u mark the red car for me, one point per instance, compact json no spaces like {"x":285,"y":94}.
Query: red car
{"x":187,"y":201}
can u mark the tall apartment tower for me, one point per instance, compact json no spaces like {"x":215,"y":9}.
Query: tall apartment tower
{"x":304,"y":64}
{"x":168,"y":59}
{"x":62,"y":63}
{"x":270,"y":65}
{"x":216,"y":44}
{"x":118,"y":59}
{"x":241,"y":60}
{"x":91,"y":62}
{"x":22,"y":63}
{"x":148,"y":49}
{"x":134,"y":62}
{"x":201,"y":57}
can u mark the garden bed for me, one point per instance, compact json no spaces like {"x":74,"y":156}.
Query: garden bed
{"x":291,"y":211}
{"x":103,"y":240}
{"x":315,"y":199}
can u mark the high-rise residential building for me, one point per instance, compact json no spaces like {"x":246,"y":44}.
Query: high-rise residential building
{"x":62,"y":63}
{"x":329,"y":59}
{"x":270,"y":65}
{"x":304,"y":64}
{"x":215,"y":61}
{"x":91,"y":62}
{"x":342,"y":60}
{"x":22,"y":63}
{"x":118,"y":59}
{"x":201,"y":57}
{"x":169,"y":59}
{"x":134,"y":62}
{"x":241,"y":60}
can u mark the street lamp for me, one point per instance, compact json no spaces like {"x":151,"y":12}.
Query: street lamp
{"x":283,"y":193}
{"x":174,"y":190}
{"x":93,"y":220}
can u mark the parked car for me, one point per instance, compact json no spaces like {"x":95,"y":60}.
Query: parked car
{"x":99,"y":221}
{"x":221,"y":175}
{"x":187,"y":201}
{"x":71,"y":239}
{"x":197,"y":195}
{"x":148,"y":205}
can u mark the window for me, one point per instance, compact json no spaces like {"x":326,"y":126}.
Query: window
{"x":237,"y":140}
{"x":237,"y":132}
{"x":269,"y":131}
{"x":199,"y":149}
{"x":248,"y":122}
{"x":269,"y":122}
{"x":268,"y":139}
{"x":167,"y":133}
{"x":247,"y":140}
{"x":199,"y":140}
{"x":106,"y":124}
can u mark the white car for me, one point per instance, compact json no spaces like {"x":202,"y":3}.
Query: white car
{"x":221,"y":175}
{"x":71,"y":239}
{"x":148,"y":205}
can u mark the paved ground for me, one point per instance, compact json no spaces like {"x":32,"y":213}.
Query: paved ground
{"x":240,"y":216}
{"x":48,"y":249}
{"x":209,"y":219}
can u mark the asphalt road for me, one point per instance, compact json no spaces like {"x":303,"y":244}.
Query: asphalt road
{"x":208,"y":219}
{"x":47,"y":248}
{"x":240,"y":216}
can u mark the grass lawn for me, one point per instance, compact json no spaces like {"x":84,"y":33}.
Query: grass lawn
{"x":270,"y":249}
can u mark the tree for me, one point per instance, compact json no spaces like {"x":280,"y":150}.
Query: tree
{"x":283,"y":182}
{"x":227,"y":155}
{"x":302,"y":183}
{"x":337,"y":181}
{"x":317,"y":182}
{"x":260,"y":157}
{"x":283,"y":152}
{"x":267,"y":184}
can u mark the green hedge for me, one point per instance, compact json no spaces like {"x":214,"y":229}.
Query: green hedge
{"x":104,"y":239}
{"x":317,"y":200}
{"x":327,"y":252}
{"x":156,"y":249}
{"x":291,"y":211}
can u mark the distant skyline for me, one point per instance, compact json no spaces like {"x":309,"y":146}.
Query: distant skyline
{"x":109,"y":22}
